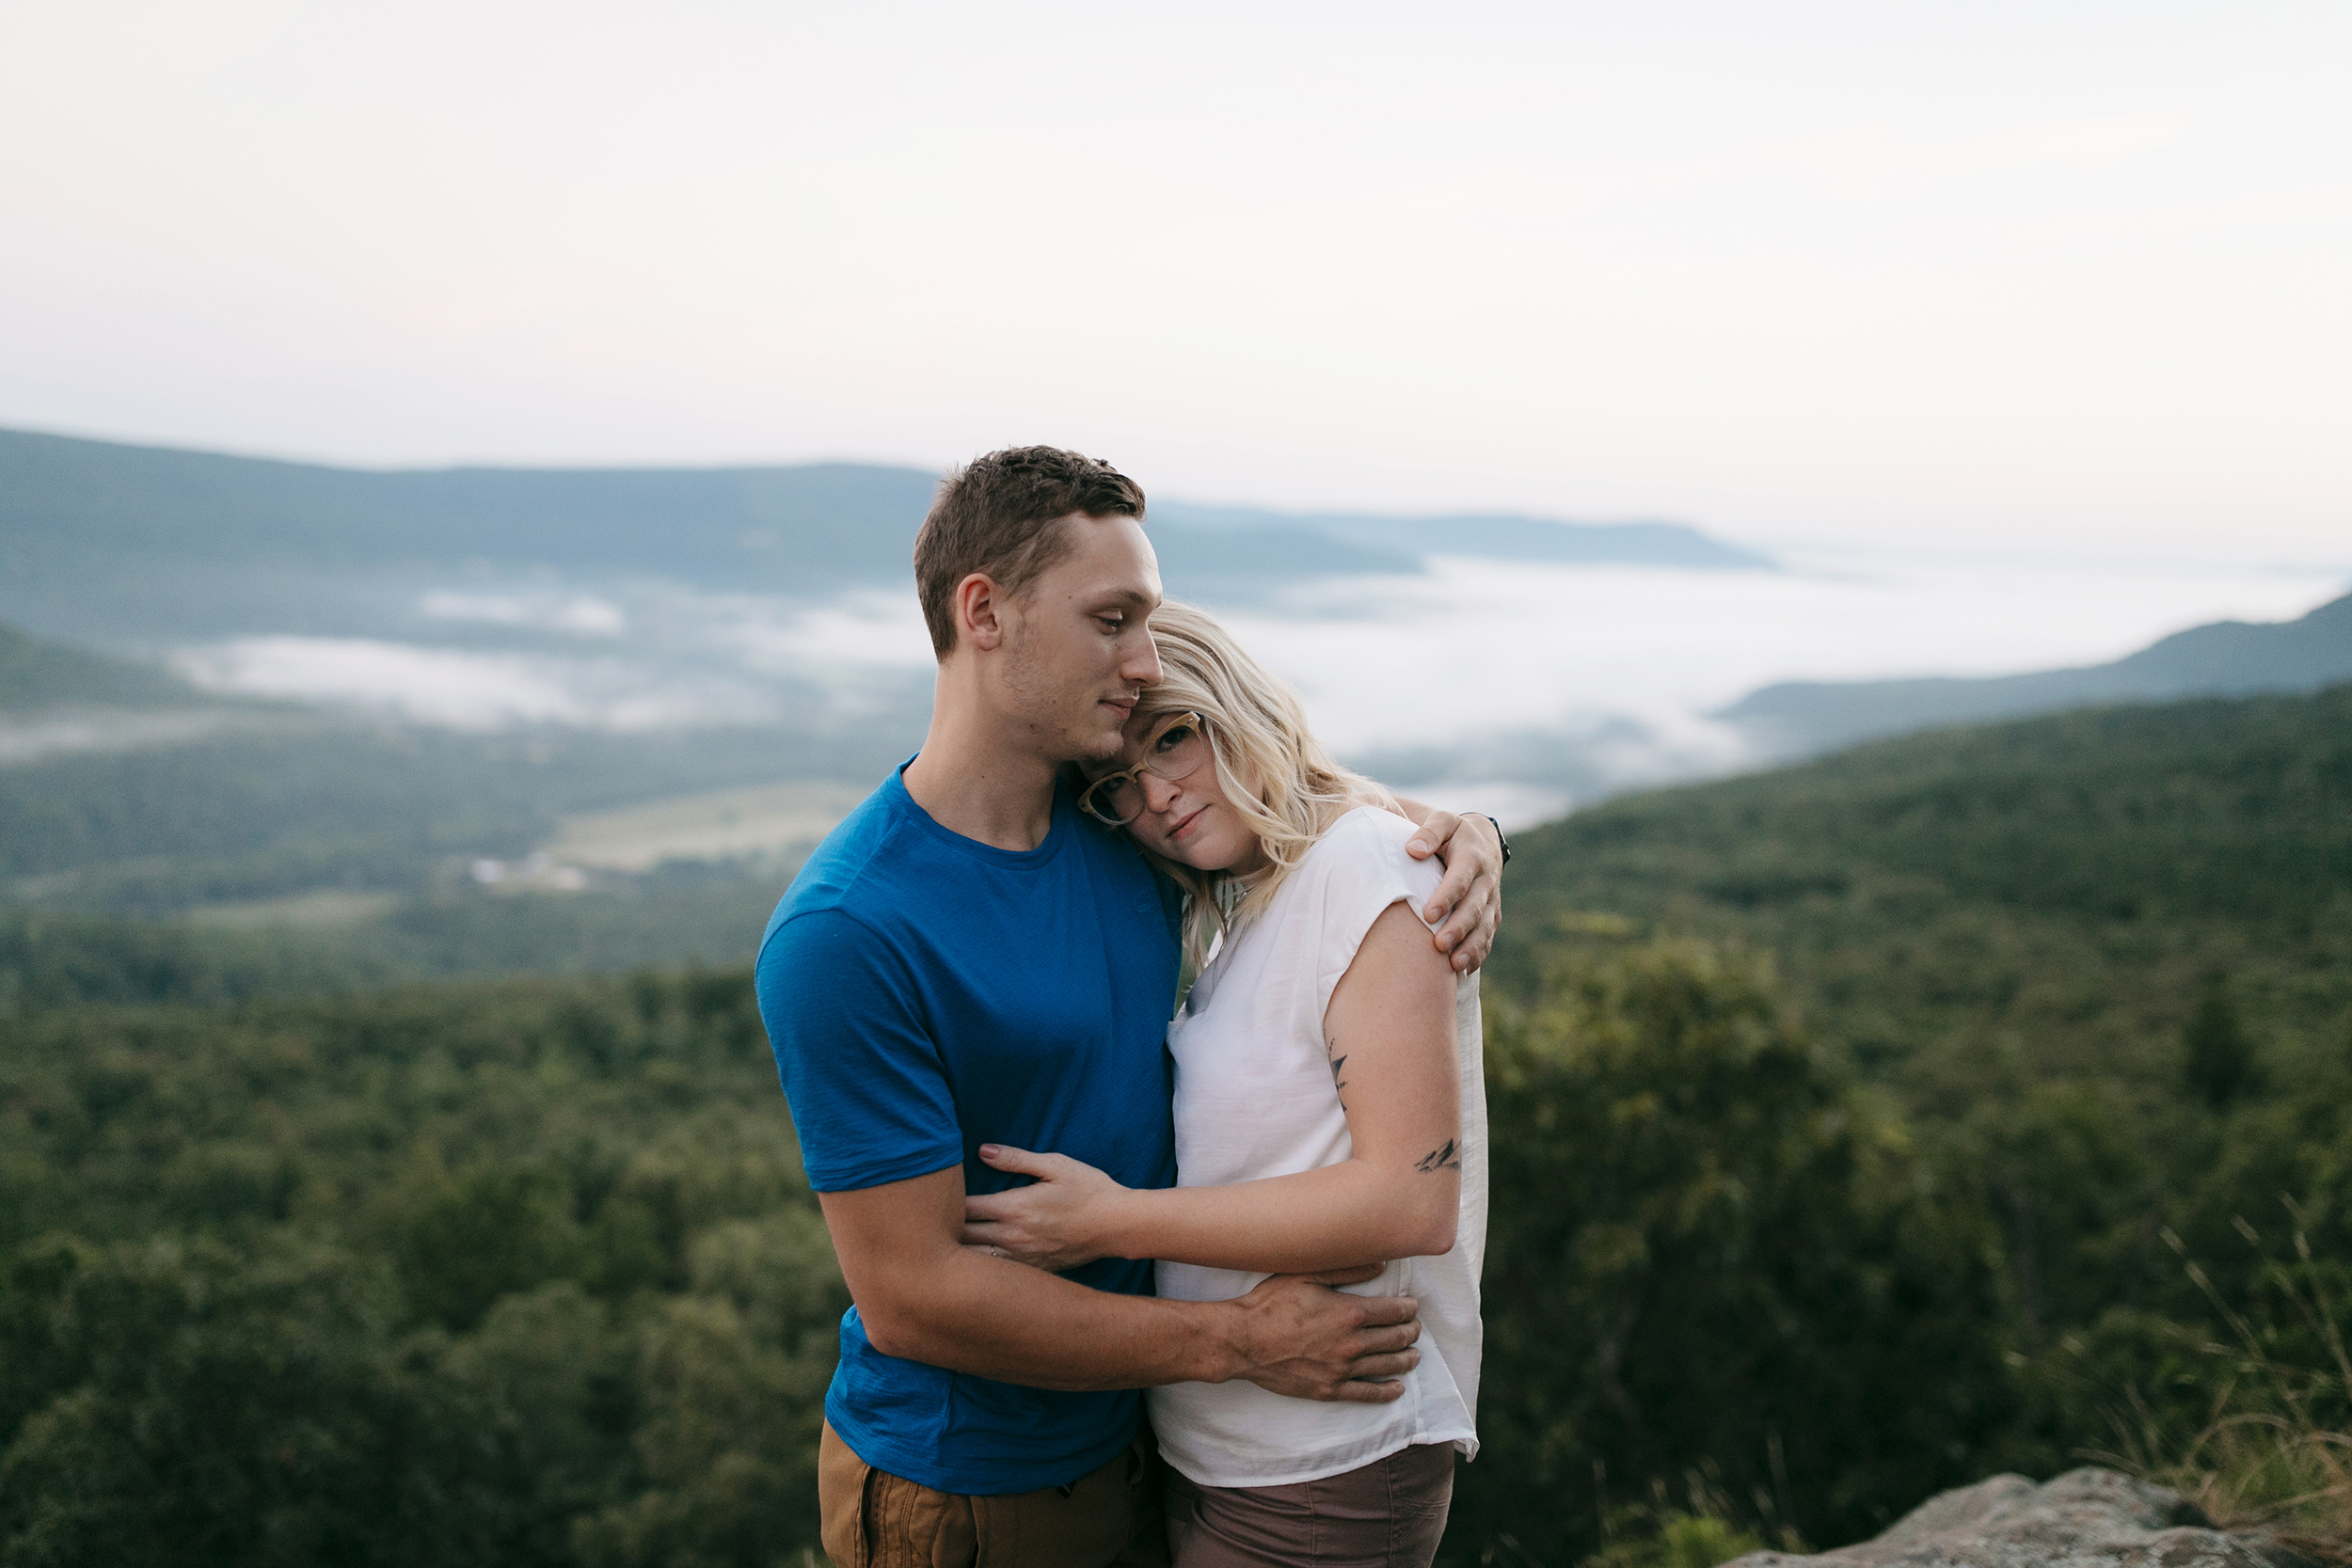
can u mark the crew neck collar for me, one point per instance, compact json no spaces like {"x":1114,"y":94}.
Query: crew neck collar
{"x":1057,"y":834}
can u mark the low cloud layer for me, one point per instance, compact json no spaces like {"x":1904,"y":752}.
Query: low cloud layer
{"x":1527,"y":686}
{"x":581,"y":614}
{"x":470,"y":691}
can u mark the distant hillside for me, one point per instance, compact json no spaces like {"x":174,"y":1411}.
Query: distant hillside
{"x":126,"y":542}
{"x":2098,"y":957}
{"x":37,"y":675}
{"x":1490,"y":535}
{"x":2015,"y":929}
{"x":2228,"y":658}
{"x":2214,"y":809}
{"x":286,"y":800}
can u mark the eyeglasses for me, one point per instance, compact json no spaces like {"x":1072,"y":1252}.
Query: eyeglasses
{"x":1176,"y":750}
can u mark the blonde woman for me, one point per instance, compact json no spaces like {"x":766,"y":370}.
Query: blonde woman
{"x":1329,"y":1112}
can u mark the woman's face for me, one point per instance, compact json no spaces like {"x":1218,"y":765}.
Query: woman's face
{"x":1189,"y":819}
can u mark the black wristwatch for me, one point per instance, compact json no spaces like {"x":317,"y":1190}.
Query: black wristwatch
{"x":1499,"y":834}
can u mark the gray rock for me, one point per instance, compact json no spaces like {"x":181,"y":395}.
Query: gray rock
{"x":2087,"y":1518}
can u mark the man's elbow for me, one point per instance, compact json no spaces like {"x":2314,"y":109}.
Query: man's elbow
{"x":894,"y":1330}
{"x":883,"y":1332}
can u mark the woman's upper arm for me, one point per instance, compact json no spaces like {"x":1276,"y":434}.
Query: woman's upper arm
{"x":1388,"y":1036}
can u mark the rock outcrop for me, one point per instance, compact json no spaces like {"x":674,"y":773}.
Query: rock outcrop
{"x":2087,"y":1518}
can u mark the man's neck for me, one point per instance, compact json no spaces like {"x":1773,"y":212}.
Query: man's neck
{"x":972,"y":784}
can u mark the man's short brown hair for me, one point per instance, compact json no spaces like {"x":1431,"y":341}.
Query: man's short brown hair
{"x":1000,"y":516}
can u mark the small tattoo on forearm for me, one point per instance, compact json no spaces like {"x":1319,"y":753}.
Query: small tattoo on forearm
{"x":1448,"y":1157}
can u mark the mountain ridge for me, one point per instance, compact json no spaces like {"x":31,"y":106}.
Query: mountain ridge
{"x":2218,"y":658}
{"x":39,"y":675}
{"x":1490,"y":535}
{"x":250,"y":543}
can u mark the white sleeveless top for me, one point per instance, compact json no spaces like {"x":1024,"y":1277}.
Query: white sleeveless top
{"x":1254,"y":1098}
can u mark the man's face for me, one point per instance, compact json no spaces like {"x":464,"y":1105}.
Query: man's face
{"x":1078,"y":647}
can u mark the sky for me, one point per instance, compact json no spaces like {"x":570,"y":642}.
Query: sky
{"x":2058,"y":279}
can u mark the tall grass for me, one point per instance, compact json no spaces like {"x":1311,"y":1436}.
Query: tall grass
{"x":2271,"y":1455}
{"x":1705,"y":1528}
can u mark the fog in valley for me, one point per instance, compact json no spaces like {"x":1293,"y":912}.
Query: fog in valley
{"x":1526,"y":671}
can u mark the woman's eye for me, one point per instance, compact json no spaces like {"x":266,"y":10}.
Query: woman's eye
{"x":1113,"y":623}
{"x":1175,"y":738}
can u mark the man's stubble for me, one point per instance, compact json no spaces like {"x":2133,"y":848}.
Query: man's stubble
{"x":1056,"y":713}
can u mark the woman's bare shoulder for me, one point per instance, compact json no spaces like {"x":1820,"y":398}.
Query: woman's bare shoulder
{"x":1368,"y":830}
{"x":1367,"y":846}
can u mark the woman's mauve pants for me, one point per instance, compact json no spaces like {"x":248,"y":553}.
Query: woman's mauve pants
{"x":1385,"y":1514}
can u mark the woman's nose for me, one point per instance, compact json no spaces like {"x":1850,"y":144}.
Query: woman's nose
{"x":1158,"y":794}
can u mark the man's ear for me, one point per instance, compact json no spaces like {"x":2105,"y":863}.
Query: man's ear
{"x":977,"y":604}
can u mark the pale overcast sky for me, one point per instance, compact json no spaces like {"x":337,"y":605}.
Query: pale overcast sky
{"x":2057,"y":277}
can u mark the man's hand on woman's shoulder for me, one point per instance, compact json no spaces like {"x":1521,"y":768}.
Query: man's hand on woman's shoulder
{"x":1467,"y":909}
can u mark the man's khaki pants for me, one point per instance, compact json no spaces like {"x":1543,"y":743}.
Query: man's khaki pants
{"x":1107,"y":1518}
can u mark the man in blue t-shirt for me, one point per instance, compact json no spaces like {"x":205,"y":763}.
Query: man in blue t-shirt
{"x":969,"y":959}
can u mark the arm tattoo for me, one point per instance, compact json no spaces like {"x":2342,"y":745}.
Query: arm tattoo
{"x":1337,"y":1061}
{"x":1448,"y":1157}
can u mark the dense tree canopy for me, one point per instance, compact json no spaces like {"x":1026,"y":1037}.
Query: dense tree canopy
{"x":1855,"y":1129}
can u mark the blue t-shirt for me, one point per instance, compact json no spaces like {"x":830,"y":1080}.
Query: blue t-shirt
{"x":926,"y":993}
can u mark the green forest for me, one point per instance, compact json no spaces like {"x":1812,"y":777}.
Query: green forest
{"x":1963,"y":1102}
{"x":277,"y":804}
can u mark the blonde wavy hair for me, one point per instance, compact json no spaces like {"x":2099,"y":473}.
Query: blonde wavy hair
{"x":1273,"y":770}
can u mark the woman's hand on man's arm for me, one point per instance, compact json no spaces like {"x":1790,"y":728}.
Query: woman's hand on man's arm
{"x":1390,"y":1028}
{"x":1066,"y":1218}
{"x":924,"y":1297}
